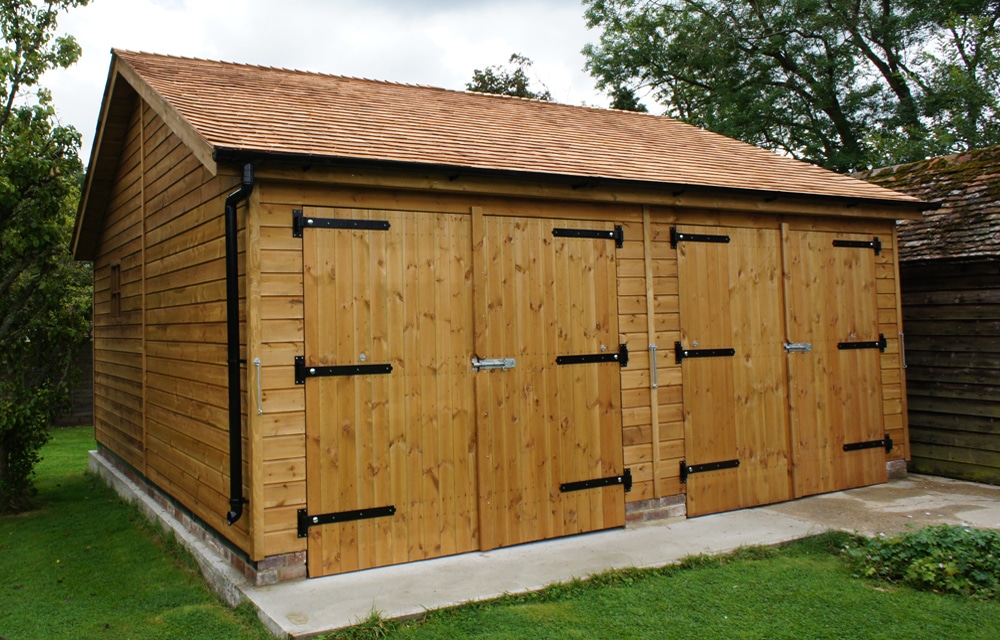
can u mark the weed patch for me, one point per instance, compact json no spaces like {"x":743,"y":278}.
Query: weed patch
{"x":943,"y":558}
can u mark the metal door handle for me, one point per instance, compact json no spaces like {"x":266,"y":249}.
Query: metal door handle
{"x":488,"y":364}
{"x":654,"y":379}
{"x":260,"y":406}
{"x":798,"y":347}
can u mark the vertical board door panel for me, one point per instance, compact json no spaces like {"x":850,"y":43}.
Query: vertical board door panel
{"x":734,"y":406}
{"x":403,"y":297}
{"x":835,"y":395}
{"x":541,"y":424}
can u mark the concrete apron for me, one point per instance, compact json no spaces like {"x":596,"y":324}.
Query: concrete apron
{"x":305,"y":608}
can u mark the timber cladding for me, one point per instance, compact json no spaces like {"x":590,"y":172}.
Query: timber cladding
{"x":434,"y":360}
{"x":159,"y":351}
{"x":952,"y":313}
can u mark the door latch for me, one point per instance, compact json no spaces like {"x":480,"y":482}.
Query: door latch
{"x":489,"y":364}
{"x":798,"y":347}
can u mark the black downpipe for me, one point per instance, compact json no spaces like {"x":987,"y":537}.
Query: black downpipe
{"x":236,"y":499}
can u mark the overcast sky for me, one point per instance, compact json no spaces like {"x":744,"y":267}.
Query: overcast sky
{"x":432,"y":42}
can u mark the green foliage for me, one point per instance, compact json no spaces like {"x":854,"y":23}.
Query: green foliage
{"x":625,"y":98}
{"x":509,"y":81}
{"x":44,"y":295}
{"x":944,"y":558}
{"x":841,"y":83}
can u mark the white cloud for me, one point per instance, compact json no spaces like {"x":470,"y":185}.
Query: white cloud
{"x":433,"y":42}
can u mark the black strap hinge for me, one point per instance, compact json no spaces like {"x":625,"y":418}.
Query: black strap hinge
{"x":306,"y":520}
{"x":302,"y":371}
{"x":680,"y":353}
{"x":618,"y":234}
{"x":677,"y":237}
{"x":874,"y":243}
{"x":687,"y":470}
{"x":885,"y":443}
{"x":621,"y":357}
{"x":300,"y":222}
{"x":879,"y":344}
{"x":625,"y":480}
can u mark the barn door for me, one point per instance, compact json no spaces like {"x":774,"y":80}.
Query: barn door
{"x":548,"y":381}
{"x":730,"y":349}
{"x":838,"y":436}
{"x":390,"y":434}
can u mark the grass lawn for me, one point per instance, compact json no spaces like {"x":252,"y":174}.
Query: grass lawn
{"x":803,"y":590}
{"x":86,"y":565}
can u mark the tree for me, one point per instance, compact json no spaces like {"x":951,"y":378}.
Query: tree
{"x":841,"y":83}
{"x":44,"y":295}
{"x":509,"y":81}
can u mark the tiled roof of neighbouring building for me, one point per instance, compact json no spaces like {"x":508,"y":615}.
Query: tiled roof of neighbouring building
{"x":967,"y":186}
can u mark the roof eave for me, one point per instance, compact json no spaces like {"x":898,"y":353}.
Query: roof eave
{"x":123,"y":85}
{"x":96,"y":186}
{"x":910,"y":209}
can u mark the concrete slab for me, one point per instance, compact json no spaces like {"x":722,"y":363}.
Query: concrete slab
{"x":900,"y":504}
{"x":306,"y":608}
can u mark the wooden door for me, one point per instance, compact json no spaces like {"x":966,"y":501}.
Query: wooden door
{"x":390,"y":454}
{"x":731,"y":351}
{"x":545,"y":291}
{"x":835,"y":390}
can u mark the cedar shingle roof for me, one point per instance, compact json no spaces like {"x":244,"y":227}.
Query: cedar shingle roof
{"x":242,"y":108}
{"x":967,"y":185}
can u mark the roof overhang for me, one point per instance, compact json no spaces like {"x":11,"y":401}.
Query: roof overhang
{"x":457,"y":179}
{"x":122,"y":89}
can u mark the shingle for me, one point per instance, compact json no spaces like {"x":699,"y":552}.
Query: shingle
{"x":967,"y":186}
{"x":262,"y":109}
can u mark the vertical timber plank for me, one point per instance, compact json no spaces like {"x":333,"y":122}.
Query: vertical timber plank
{"x":143,"y":223}
{"x":483,"y":406}
{"x":654,"y":392}
{"x":398,"y":415}
{"x":902,"y":344}
{"x":255,"y":436}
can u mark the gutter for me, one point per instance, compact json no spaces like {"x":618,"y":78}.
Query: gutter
{"x":236,"y":498}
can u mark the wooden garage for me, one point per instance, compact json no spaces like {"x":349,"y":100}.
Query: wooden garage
{"x":346,"y":323}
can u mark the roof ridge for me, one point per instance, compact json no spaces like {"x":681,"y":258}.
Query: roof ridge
{"x":263,"y":67}
{"x":948,"y":159}
{"x":394,"y":83}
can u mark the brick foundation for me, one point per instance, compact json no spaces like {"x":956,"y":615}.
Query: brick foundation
{"x":270,"y":570}
{"x":896,"y":469}
{"x":655,"y":509}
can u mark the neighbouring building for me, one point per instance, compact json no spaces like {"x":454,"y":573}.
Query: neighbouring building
{"x":950,"y":275}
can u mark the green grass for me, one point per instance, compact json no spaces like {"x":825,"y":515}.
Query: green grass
{"x":87,"y":565}
{"x":802,"y":590}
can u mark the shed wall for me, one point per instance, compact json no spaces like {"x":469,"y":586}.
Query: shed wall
{"x":952,"y":318}
{"x":118,"y":358}
{"x":160,"y":362}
